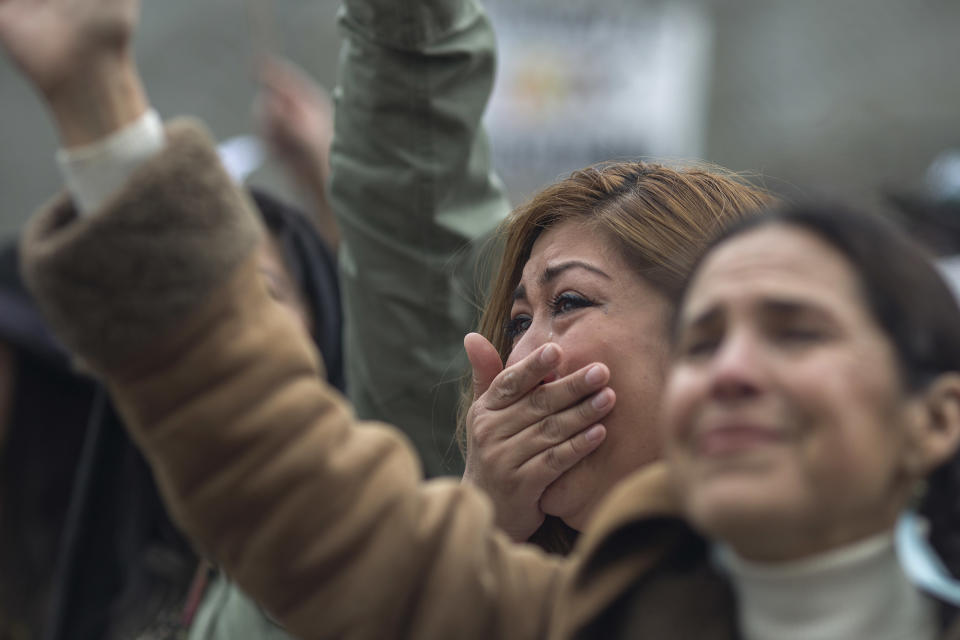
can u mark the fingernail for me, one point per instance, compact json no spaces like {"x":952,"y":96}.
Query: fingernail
{"x":601,"y":400}
{"x":594,"y":433}
{"x":594,"y":375}
{"x":550,"y":355}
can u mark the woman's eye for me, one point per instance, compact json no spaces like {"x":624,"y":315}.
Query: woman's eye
{"x":799,"y":335}
{"x":698,"y":347}
{"x":516,"y":326}
{"x":567,"y":302}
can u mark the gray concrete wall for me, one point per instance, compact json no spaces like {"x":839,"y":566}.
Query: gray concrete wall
{"x":849,"y":95}
{"x":196,"y":58}
{"x":853,"y":95}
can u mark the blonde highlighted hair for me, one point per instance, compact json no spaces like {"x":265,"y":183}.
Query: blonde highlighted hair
{"x":659,"y":218}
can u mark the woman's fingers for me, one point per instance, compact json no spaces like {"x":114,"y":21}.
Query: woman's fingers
{"x":543,"y":408}
{"x":518,"y":379}
{"x":484,"y":360}
{"x":559,"y":427}
{"x":550,"y":464}
{"x":523,"y":432}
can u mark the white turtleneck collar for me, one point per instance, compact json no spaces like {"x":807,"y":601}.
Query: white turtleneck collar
{"x":857,"y":591}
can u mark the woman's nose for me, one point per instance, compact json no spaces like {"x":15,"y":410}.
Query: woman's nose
{"x":535,"y":335}
{"x":736,"y":368}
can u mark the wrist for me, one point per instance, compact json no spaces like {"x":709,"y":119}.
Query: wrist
{"x":104,"y":99}
{"x":519,"y":533}
{"x":304,"y":163}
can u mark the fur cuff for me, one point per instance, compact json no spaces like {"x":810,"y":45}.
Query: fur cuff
{"x":112,"y":283}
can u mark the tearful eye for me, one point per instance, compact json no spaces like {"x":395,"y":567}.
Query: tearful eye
{"x":698,"y":343}
{"x":799,"y":335}
{"x":699,"y":348}
{"x":567,"y":302}
{"x":515,"y":326}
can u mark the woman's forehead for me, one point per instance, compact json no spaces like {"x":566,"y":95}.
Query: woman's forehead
{"x":773,"y":261}
{"x":571,"y":240}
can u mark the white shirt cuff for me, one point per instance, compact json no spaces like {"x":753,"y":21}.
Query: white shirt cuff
{"x":94,"y":172}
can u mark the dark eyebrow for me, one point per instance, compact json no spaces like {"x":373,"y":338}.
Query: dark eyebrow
{"x":551,"y":273}
{"x":708,"y":316}
{"x":781,"y":308}
{"x":785,"y":308}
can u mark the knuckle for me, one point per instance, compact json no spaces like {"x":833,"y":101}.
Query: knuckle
{"x":540,"y":400}
{"x":482,"y":432}
{"x":576,"y":447}
{"x":481,"y":437}
{"x":474,"y":414}
{"x":577,"y":385}
{"x":507,"y":385}
{"x":585,"y":410}
{"x":474,"y":421}
{"x":550,"y":428}
{"x":552,"y":459}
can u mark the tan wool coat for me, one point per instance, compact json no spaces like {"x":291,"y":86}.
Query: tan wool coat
{"x":325,"y":521}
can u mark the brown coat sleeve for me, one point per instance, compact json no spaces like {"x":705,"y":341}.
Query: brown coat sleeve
{"x":326,"y":522}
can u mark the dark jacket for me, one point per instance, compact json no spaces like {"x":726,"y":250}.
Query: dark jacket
{"x":88,"y":550}
{"x":38,"y":456}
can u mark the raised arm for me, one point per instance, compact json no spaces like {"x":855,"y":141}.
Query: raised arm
{"x":327,"y":524}
{"x":296,"y":120}
{"x":324,"y":523}
{"x":414,"y":195}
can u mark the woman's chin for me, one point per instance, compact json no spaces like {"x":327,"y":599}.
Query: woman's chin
{"x":728,"y":510}
{"x":575,"y":495}
{"x":570,"y":497}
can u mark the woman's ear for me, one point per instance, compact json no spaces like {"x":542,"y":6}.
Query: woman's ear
{"x":936,"y":432}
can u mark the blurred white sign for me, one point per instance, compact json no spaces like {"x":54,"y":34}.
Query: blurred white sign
{"x":943,"y":176}
{"x":575,"y":85}
{"x":950,"y":268}
{"x":241,"y":156}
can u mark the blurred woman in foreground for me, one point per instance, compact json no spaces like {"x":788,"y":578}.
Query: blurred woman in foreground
{"x":814,"y":396}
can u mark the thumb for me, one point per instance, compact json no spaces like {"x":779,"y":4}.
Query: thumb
{"x":485,"y":362}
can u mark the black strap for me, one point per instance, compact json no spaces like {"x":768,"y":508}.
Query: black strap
{"x":69,"y":552}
